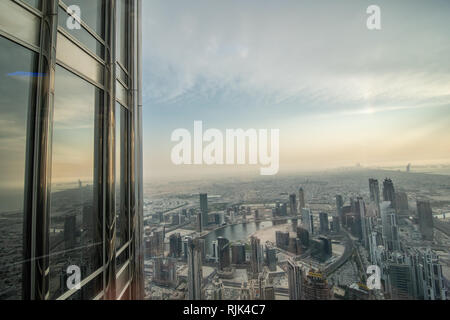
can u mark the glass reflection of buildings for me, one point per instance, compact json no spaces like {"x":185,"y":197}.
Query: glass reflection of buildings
{"x":71,"y":158}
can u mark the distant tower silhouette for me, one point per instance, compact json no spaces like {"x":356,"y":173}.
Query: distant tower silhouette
{"x":389,"y":191}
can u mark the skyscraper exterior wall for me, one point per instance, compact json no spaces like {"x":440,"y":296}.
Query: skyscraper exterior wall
{"x":339,"y":206}
{"x":307,"y":220}
{"x":389,"y":227}
{"x":425,"y":215}
{"x":72,"y":87}
{"x":301,"y":200}
{"x":223,"y":248}
{"x":204,"y":208}
{"x":324,"y":225}
{"x":293,"y":204}
{"x":238,"y":253}
{"x":256,"y":257}
{"x":374,"y":190}
{"x":195,"y":275}
{"x":389,"y":192}
{"x":295,"y":280}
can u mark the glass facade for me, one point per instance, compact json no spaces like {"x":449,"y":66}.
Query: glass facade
{"x":70,"y":174}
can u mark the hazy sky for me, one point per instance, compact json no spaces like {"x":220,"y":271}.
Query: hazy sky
{"x":339,"y":93}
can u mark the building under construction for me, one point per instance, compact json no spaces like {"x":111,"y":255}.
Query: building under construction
{"x":316,"y":286}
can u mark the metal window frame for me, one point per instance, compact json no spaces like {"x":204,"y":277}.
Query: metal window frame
{"x":35,"y":282}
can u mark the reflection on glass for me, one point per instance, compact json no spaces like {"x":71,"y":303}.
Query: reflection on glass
{"x":34,"y":3}
{"x":72,"y":55}
{"x":122,"y":30}
{"x":122,"y":223}
{"x":92,"y":13}
{"x":76,"y":223}
{"x":19,"y":22}
{"x":81,"y":35}
{"x":17,"y":90}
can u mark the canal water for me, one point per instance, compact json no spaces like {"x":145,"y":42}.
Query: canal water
{"x":239,"y":232}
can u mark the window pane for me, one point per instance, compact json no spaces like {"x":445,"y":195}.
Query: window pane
{"x":92,"y":13}
{"x":34,"y":3}
{"x":122,"y":32}
{"x":70,"y":54}
{"x":76,"y":223}
{"x":17,"y":88}
{"x":19,"y":22}
{"x":122,"y":222}
{"x":81,"y":35}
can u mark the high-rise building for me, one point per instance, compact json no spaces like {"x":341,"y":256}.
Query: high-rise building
{"x":389,"y":227}
{"x":374,"y":189}
{"x":175,"y":245}
{"x":256,"y":257}
{"x":425,"y":215}
{"x":271,"y":258}
{"x":339,"y":206}
{"x":70,"y":89}
{"x":307,"y":220}
{"x":295,"y":280}
{"x":316,"y":286}
{"x":400,"y":278}
{"x":389,"y":192}
{"x":195,"y":273}
{"x":301,"y":200}
{"x":336,"y":224}
{"x":293,"y":204}
{"x":238,"y":253}
{"x":434,"y":283}
{"x":401,"y":199}
{"x":199,"y":222}
{"x":223,"y":249}
{"x":204,"y":209}
{"x":324,"y":225}
{"x":165,"y":272}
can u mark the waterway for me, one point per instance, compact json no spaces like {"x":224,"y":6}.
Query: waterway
{"x":239,"y":232}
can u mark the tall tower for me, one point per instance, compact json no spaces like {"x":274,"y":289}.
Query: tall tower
{"x":295,"y":280}
{"x":293,"y":204}
{"x":374,"y":189}
{"x":307,"y":220}
{"x":425,"y":215}
{"x":194,"y":270}
{"x":301,"y":200}
{"x":389,"y":227}
{"x":199,"y":221}
{"x":204,"y":208}
{"x":223,"y":250}
{"x":389,"y":191}
{"x":324,"y":225}
{"x":339,"y":206}
{"x":256,"y":257}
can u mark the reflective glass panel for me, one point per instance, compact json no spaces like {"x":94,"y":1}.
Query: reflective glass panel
{"x":19,"y":22}
{"x":73,"y":56}
{"x":122,"y":42}
{"x":92,"y":13}
{"x":76,"y":220}
{"x":81,"y":34}
{"x":122,"y":223}
{"x":17,"y":91}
